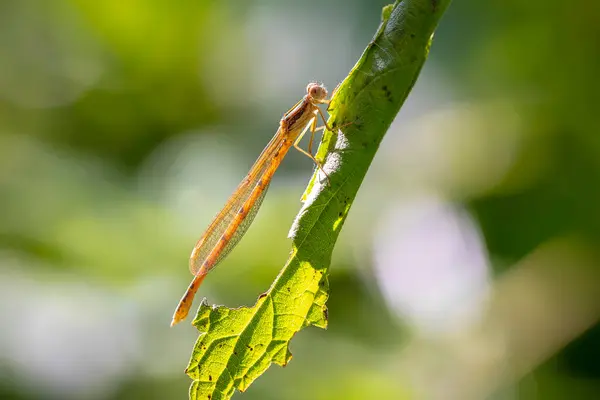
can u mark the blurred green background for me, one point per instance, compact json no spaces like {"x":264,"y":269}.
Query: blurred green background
{"x":468,"y":267}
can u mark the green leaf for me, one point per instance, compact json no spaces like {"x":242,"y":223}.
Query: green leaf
{"x":237,"y":345}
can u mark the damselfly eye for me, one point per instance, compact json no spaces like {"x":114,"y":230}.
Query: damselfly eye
{"x":316,"y":91}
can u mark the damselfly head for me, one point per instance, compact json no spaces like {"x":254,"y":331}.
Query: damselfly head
{"x":316,"y":91}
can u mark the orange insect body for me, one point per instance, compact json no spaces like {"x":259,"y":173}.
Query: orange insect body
{"x":228,"y":227}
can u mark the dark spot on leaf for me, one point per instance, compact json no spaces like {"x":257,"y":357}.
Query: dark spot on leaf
{"x":210,"y":378}
{"x":250,"y":347}
{"x":288,"y":289}
{"x":387,"y":93}
{"x":262,"y":295}
{"x":235,"y":352}
{"x":241,"y":210}
{"x":209,"y":397}
{"x":326,"y":313}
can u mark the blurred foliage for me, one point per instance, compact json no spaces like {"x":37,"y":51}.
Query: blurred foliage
{"x":125,"y":125}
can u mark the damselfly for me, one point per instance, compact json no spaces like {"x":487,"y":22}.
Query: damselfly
{"x":230,"y":224}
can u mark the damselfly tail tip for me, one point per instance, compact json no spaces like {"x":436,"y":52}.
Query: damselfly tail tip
{"x":177,"y":318}
{"x":174,"y":322}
